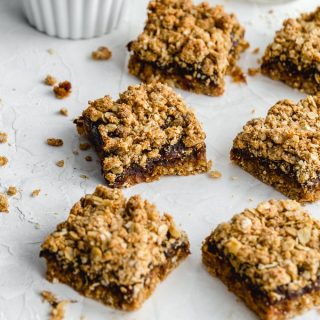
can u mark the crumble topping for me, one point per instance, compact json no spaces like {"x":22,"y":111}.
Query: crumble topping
{"x":62,"y":90}
{"x":4,"y":204}
{"x":299,"y":42}
{"x":57,"y":307}
{"x":113,"y":240}
{"x":198,"y":39}
{"x":54,"y":142}
{"x":3,"y":137}
{"x":3,"y":161}
{"x":143,"y":121}
{"x":289,"y":135}
{"x":50,"y":80}
{"x":276,"y":246}
{"x":102,"y":53}
{"x":64,"y":112}
{"x":12,"y":191}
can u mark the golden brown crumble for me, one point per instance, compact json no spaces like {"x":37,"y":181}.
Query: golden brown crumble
{"x":115,"y":240}
{"x":256,"y":51}
{"x":88,"y":158}
{"x":135,"y":128}
{"x":197,"y":41}
{"x":3,"y":137}
{"x":237,"y":75}
{"x":84,"y":146}
{"x":253,"y":71}
{"x":296,"y":46}
{"x":12,"y":191}
{"x":64,"y":112}
{"x":35,"y":193}
{"x":55,"y":142}
{"x":289,"y":134}
{"x":50,"y":80}
{"x":102,"y":53}
{"x":275,"y":245}
{"x":4,"y":204}
{"x":3,"y":161}
{"x":60,"y":163}
{"x":57,"y":307}
{"x":62,"y":90}
{"x":215,"y":174}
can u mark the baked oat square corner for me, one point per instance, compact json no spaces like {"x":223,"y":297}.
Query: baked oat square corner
{"x":114,"y":250}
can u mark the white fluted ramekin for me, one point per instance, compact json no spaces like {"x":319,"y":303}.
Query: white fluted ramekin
{"x":74,"y":19}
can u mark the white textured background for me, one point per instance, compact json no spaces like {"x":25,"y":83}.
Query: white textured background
{"x":29,"y":114}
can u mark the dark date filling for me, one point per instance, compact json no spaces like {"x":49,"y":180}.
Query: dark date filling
{"x":289,"y":175}
{"x":169,"y":155}
{"x":256,"y":291}
{"x":291,"y":68}
{"x":123,"y":294}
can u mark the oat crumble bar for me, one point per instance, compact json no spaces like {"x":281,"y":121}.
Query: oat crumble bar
{"x":283,"y":149}
{"x":269,"y":257}
{"x":147,"y":133}
{"x":114,"y":250}
{"x":294,"y":55}
{"x":188,"y":46}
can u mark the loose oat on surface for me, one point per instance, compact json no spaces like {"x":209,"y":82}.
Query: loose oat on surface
{"x":102,"y":53}
{"x":4,"y":204}
{"x":146,"y":125}
{"x":189,"y":46}
{"x":62,"y":90}
{"x":55,"y":142}
{"x":60,"y":163}
{"x":12,"y":191}
{"x":3,"y":137}
{"x":50,"y":80}
{"x":57,"y":311}
{"x":215,"y":174}
{"x":3,"y":161}
{"x":116,"y":242}
{"x":35,"y":192}
{"x":64,"y":112}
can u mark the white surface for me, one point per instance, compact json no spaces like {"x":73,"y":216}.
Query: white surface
{"x":74,"y":19}
{"x":29,"y":114}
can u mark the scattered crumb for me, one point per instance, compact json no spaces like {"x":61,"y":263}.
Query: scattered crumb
{"x":215,"y":174}
{"x":253,"y":111}
{"x":4,"y":204}
{"x":37,"y":226}
{"x":3,"y":137}
{"x":12,"y":191}
{"x":83,"y":176}
{"x":250,"y":199}
{"x":35,"y":192}
{"x":88,"y":158}
{"x":50,"y":80}
{"x":234,"y":178}
{"x":270,"y":11}
{"x":238,"y":76}
{"x":83,"y":318}
{"x":84,"y":146}
{"x":3,"y":161}
{"x":64,"y":112}
{"x":62,"y":90}
{"x":210,"y":164}
{"x":253,"y":71}
{"x":256,"y":51}
{"x":54,"y":142}
{"x":60,"y":163}
{"x":57,"y":307}
{"x":75,"y":152}
{"x":51,"y":51}
{"x":259,"y":61}
{"x":102,"y":53}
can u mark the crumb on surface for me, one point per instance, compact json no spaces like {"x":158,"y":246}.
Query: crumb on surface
{"x":83,"y":176}
{"x":51,"y":51}
{"x":253,"y":111}
{"x":57,"y":307}
{"x":102,"y":53}
{"x":237,"y":75}
{"x":88,"y":158}
{"x":35,"y":192}
{"x":75,"y":152}
{"x":55,"y":142}
{"x":62,"y":90}
{"x":64,"y":112}
{"x":60,"y":163}
{"x":256,"y":51}
{"x":12,"y":190}
{"x":4,"y":203}
{"x":3,"y":137}
{"x":50,"y":80}
{"x":84,"y":146}
{"x":3,"y":161}
{"x":215,"y":174}
{"x":253,"y":71}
